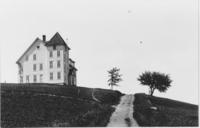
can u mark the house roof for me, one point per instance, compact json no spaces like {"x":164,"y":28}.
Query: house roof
{"x":71,"y":60}
{"x":73,"y":68}
{"x":37,"y":39}
{"x":56,"y":40}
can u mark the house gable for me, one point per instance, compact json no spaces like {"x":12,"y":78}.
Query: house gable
{"x":30,"y":49}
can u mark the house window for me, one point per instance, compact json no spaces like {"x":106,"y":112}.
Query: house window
{"x":34,"y":67}
{"x":54,"y":47}
{"x":21,"y":79}
{"x":50,"y":64}
{"x":58,"y":64}
{"x":41,"y":67}
{"x":20,"y":69}
{"x":58,"y":75}
{"x":34,"y":78}
{"x":26,"y":58}
{"x":27,"y":78}
{"x":34,"y":57}
{"x":41,"y":78}
{"x":58,"y":53}
{"x":51,"y":75}
{"x":51,"y":54}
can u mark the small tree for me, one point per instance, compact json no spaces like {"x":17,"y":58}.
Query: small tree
{"x":114,"y":77}
{"x":155,"y":80}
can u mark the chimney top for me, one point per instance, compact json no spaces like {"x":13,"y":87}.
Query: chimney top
{"x":44,"y":38}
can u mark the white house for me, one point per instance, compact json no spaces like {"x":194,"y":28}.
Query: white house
{"x":47,"y":62}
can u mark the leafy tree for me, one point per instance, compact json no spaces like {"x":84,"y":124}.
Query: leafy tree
{"x":155,"y":80}
{"x":114,"y":77}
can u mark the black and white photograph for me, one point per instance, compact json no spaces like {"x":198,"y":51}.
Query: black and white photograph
{"x":99,"y":63}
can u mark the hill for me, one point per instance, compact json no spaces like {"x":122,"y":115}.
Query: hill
{"x":156,"y":111}
{"x":42,"y":105}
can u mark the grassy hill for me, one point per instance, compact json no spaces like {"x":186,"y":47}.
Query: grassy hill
{"x":51,"y":105}
{"x":42,"y":105}
{"x":169,"y":112}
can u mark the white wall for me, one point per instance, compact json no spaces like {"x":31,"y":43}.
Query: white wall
{"x":55,"y":69}
{"x":43,"y":57}
{"x":41,"y":54}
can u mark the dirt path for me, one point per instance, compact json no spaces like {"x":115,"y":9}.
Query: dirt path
{"x":93,"y":97}
{"x":123,"y":115}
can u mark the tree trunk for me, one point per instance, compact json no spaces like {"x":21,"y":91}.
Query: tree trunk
{"x":111,"y":87}
{"x":152,"y":91}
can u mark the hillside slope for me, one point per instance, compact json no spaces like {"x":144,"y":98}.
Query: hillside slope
{"x":155,"y":111}
{"x":42,"y":105}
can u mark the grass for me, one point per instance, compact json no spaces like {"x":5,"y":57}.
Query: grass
{"x":50,"y":105}
{"x":104,"y":95}
{"x":168,"y":113}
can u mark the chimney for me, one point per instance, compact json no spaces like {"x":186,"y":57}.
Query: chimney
{"x":44,"y":38}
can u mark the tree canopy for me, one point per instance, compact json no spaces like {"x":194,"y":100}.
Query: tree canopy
{"x":155,"y":80}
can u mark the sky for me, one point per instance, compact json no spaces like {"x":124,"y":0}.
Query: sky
{"x":103,"y":34}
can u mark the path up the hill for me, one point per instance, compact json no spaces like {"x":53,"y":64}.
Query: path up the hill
{"x":123,"y":114}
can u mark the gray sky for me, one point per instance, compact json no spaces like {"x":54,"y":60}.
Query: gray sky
{"x":106,"y":33}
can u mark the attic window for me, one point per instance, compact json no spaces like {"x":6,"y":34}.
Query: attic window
{"x":38,"y":47}
{"x":54,"y":47}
